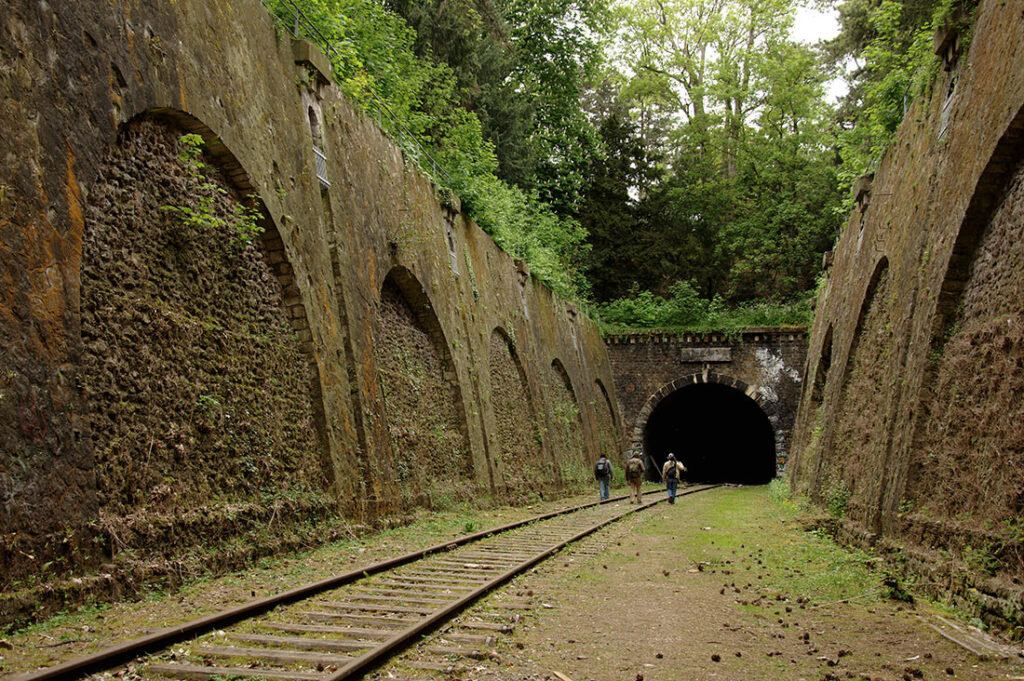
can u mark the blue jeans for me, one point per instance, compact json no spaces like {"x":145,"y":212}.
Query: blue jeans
{"x":670,"y":485}
{"x":603,"y":486}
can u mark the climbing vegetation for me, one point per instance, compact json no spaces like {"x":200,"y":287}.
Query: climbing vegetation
{"x":641,"y":153}
{"x":890,"y":43}
{"x":202,"y":215}
{"x":492,"y":88}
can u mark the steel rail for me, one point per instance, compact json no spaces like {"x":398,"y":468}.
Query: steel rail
{"x":163,"y":638}
{"x":370,"y":659}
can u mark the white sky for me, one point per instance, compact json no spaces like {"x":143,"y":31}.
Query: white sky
{"x":812,"y":25}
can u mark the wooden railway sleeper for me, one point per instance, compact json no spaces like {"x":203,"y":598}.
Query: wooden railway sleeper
{"x":408,"y":621}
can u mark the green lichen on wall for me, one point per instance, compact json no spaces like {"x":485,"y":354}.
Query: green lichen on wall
{"x":857,"y":453}
{"x":968,"y":451}
{"x":564,"y":412}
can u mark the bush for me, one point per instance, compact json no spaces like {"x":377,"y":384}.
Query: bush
{"x":837,"y":495}
{"x":684,"y":309}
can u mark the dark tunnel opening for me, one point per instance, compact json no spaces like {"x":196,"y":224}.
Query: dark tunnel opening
{"x":719,"y":433}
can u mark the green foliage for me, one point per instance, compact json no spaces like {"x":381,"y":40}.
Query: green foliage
{"x":779,"y":491}
{"x":837,"y":496}
{"x":202,"y":215}
{"x":891,"y":40}
{"x":389,"y":71}
{"x":684,"y":309}
{"x":896,"y":61}
{"x":984,"y":558}
{"x":893,"y":587}
{"x":720,"y":168}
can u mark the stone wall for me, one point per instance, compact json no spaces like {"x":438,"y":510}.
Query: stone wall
{"x":766,"y":364}
{"x":916,"y":351}
{"x":162,"y":379}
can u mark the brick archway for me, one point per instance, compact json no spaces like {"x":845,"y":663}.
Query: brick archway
{"x":769,"y":407}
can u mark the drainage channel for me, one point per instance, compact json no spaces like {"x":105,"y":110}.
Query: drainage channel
{"x":339,"y":628}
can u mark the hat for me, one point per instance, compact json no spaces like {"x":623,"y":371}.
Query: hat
{"x":636,"y":452}
{"x":671,"y":456}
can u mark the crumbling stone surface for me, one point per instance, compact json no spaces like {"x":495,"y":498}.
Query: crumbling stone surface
{"x":966,"y":459}
{"x":607,"y":432}
{"x":567,"y":426}
{"x":430,"y":448}
{"x":519,"y":436}
{"x":856,"y":452}
{"x":196,"y":389}
{"x":115,"y":399}
{"x":935,"y":384}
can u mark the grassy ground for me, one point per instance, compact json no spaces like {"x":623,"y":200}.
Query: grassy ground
{"x":724,"y":585}
{"x":728,"y":585}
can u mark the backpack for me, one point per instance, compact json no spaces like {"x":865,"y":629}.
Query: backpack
{"x":634,"y":468}
{"x":673,"y":472}
{"x":601,"y":469}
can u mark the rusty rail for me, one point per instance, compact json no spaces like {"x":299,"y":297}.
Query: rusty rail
{"x":166,"y":637}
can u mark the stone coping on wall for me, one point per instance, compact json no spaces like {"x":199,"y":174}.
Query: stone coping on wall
{"x":756,"y":334}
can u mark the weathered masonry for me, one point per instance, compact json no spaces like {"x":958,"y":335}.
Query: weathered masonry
{"x":723,"y":404}
{"x":911,"y":422}
{"x":173,"y":378}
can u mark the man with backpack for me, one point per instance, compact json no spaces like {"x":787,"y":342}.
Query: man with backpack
{"x":603,"y":473}
{"x":670,"y":473}
{"x":635,"y":476}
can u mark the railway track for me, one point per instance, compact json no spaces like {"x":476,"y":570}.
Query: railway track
{"x":339,"y":628}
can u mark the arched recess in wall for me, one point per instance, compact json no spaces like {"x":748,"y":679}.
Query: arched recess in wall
{"x":851,"y":459}
{"x":422,"y":398}
{"x":197,"y":366}
{"x":967,"y":452}
{"x":568,"y":442}
{"x":717,"y":425}
{"x":822,"y":369}
{"x":517,"y":432}
{"x":810,"y":447}
{"x":607,"y":425}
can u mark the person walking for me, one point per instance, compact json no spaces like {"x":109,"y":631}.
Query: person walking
{"x":670,"y":473}
{"x":603,"y":474}
{"x":635,"y":476}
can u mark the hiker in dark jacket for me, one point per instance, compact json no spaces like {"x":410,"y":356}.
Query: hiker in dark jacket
{"x":603,"y":474}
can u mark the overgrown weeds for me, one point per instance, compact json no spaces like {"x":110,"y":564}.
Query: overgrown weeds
{"x":685,"y":310}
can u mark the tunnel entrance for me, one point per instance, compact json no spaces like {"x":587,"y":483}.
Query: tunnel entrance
{"x":717,"y":431}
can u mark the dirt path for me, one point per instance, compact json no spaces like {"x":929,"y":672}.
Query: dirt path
{"x":726,"y":586}
{"x":720,"y":586}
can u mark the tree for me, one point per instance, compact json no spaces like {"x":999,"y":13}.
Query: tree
{"x":746,"y":200}
{"x":609,"y":213}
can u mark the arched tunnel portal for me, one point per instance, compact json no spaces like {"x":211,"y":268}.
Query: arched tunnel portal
{"x":716,"y":429}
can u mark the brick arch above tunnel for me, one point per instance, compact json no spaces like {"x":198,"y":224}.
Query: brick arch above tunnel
{"x":768,"y":406}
